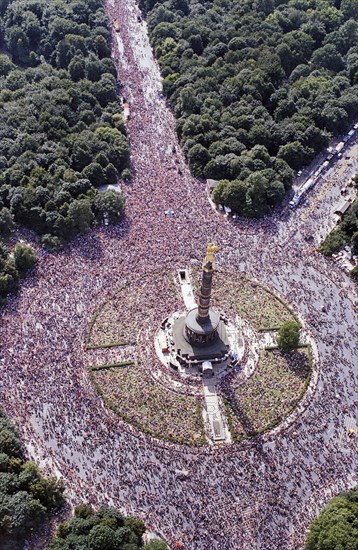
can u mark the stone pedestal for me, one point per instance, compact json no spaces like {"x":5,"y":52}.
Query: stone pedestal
{"x":201,"y":331}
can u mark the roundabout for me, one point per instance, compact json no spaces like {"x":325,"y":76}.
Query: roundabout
{"x":150,"y":382}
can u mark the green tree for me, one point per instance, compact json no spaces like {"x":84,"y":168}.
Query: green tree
{"x":51,"y":242}
{"x":83,"y":511}
{"x":7,"y":224}
{"x":59,"y":122}
{"x":25,"y":496}
{"x":105,"y":92}
{"x":333,"y":242}
{"x":9,"y":275}
{"x":354,"y":273}
{"x":9,"y":442}
{"x":335,"y":119}
{"x":234,"y":195}
{"x":5,"y":65}
{"x":136,"y":525}
{"x":275,"y":192}
{"x":25,"y":512}
{"x":95,"y":174}
{"x":328,"y":57}
{"x":289,"y":336}
{"x":109,"y":204}
{"x":196,"y":43}
{"x":48,"y":490}
{"x":180,"y":5}
{"x":125,"y":175}
{"x":18,"y":43}
{"x":101,"y":47}
{"x":101,"y":530}
{"x":116,"y":146}
{"x":3,"y":255}
{"x":24,"y":257}
{"x":256,"y":73}
{"x":336,"y":527}
{"x":350,"y":9}
{"x":80,"y":215}
{"x":198,"y":157}
{"x":295,"y":154}
{"x":77,"y":68}
{"x":354,"y":242}
{"x":102,"y":538}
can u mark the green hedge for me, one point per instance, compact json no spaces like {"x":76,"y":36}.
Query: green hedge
{"x":112,"y":365}
{"x":111,"y":345}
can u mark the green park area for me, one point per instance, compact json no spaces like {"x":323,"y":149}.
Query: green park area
{"x":258,"y":88}
{"x":117,"y":320}
{"x":137,"y":304}
{"x":336,"y":526}
{"x":62,"y":125}
{"x":27,"y":498}
{"x":142,"y":401}
{"x":103,"y":529}
{"x":272,"y":391}
{"x":251,"y":301}
{"x":133,"y":316}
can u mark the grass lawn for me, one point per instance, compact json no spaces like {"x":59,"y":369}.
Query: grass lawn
{"x":135,"y":396}
{"x":272,"y":391}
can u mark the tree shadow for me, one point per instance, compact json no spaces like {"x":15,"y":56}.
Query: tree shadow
{"x":90,"y":246}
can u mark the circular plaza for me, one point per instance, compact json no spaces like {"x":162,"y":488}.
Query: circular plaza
{"x":253,"y":388}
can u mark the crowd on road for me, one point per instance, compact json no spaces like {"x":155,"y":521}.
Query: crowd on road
{"x":261,"y":493}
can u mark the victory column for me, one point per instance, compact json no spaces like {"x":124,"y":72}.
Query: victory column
{"x":200,"y":335}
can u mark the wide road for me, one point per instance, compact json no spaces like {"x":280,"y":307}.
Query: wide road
{"x":259,"y":494}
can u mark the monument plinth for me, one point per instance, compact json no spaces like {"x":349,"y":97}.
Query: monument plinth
{"x":199,"y":332}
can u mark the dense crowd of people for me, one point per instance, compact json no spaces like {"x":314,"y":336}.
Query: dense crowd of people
{"x":121,"y":317}
{"x":251,"y":301}
{"x":271,"y":392}
{"x":261,"y":493}
{"x":151,"y":406}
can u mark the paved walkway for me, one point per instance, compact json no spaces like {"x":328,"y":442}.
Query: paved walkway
{"x":188,"y":294}
{"x":216,"y":419}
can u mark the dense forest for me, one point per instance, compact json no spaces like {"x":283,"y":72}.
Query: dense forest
{"x":258,"y":87}
{"x":14,"y":265}
{"x":61,"y":130}
{"x":26,"y":497}
{"x":105,"y":529}
{"x":336,"y":528}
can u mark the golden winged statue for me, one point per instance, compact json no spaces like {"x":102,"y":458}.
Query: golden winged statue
{"x":210,"y":253}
